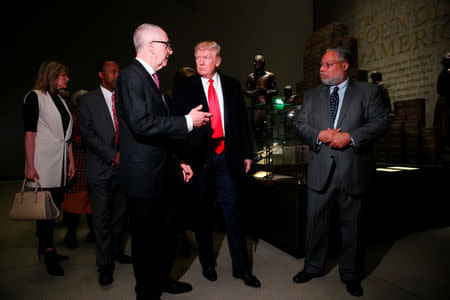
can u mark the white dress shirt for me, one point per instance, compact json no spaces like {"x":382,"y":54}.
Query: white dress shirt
{"x":342,"y":88}
{"x":108,"y":99}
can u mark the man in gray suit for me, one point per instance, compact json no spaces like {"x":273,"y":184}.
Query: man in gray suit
{"x":339,"y":120}
{"x":99,"y":129}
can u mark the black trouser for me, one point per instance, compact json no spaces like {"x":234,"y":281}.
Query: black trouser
{"x":109,"y":207}
{"x":216,"y":173}
{"x":44,"y":228}
{"x":154,"y":236}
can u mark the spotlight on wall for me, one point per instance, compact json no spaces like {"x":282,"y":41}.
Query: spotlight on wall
{"x":403,"y":168}
{"x":397,"y":169}
{"x":387,"y":170}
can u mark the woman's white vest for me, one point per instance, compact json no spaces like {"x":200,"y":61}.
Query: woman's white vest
{"x":50,"y":152}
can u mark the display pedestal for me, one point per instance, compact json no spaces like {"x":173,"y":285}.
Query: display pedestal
{"x":278,"y":209}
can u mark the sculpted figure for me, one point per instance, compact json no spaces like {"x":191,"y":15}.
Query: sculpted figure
{"x":377,"y":78}
{"x":289,"y":96}
{"x":442,"y":110}
{"x":260,"y":87}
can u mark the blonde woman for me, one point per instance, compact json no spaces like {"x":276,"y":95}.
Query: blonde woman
{"x":48,"y":150}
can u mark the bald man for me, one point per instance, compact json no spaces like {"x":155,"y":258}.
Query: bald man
{"x":149,"y":172}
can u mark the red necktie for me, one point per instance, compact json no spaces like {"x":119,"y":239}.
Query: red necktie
{"x":155,"y":77}
{"x":216,"y":119}
{"x":116,"y":123}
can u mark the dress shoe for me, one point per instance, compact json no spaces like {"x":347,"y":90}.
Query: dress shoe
{"x":58,"y":257}
{"x":209,"y":273}
{"x":304,"y":276}
{"x":354,"y":288}
{"x":248,"y":278}
{"x":177,"y":287}
{"x":52,"y":264}
{"x":105,"y":275}
{"x":70,"y":240}
{"x":122,"y":258}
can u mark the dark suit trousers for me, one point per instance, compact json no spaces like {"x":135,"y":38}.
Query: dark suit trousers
{"x":154,"y":236}
{"x":320,"y":207}
{"x":109,"y":208}
{"x":216,"y":172}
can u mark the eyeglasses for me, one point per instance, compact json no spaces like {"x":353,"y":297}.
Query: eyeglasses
{"x":328,"y":65}
{"x":164,"y":42}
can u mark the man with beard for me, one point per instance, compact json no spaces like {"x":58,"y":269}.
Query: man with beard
{"x":340,"y":121}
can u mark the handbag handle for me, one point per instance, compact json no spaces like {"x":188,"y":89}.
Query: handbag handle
{"x":35,"y":189}
{"x":31,"y":180}
{"x":38,"y":186}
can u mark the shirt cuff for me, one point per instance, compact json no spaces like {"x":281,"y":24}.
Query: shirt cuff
{"x":189,"y":123}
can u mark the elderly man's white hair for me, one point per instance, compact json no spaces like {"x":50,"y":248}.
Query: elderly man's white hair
{"x":143,"y":34}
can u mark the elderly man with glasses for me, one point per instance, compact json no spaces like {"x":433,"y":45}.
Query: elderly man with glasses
{"x":339,"y":120}
{"x":149,"y":173}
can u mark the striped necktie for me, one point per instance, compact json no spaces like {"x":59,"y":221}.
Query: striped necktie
{"x":116,"y":123}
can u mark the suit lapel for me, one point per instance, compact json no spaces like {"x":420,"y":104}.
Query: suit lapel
{"x":152,"y":83}
{"x":325,"y":102}
{"x":346,"y":101}
{"x":104,"y":110}
{"x":226,"y":92}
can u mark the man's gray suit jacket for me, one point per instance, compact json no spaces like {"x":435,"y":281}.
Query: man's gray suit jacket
{"x":98,"y":133}
{"x":363,"y":115}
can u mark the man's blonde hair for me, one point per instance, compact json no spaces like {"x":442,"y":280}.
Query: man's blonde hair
{"x":208,"y":45}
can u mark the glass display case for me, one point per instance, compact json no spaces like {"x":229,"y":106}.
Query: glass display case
{"x":275,"y":203}
{"x":279,"y":153}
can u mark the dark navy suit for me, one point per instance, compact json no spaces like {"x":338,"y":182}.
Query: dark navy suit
{"x":216,"y":177}
{"x":149,"y":175}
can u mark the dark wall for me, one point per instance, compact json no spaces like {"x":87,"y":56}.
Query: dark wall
{"x":326,"y":12}
{"x":83,"y":32}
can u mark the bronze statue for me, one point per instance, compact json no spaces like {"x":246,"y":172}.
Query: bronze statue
{"x":260,"y":87}
{"x":442,"y":110}
{"x":289,"y":97}
{"x":377,"y":78}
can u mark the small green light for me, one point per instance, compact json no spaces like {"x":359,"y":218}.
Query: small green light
{"x":278,"y":101}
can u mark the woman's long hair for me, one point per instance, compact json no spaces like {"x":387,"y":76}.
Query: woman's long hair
{"x":48,"y":74}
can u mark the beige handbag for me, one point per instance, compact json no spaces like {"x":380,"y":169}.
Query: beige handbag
{"x":33,"y":204}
